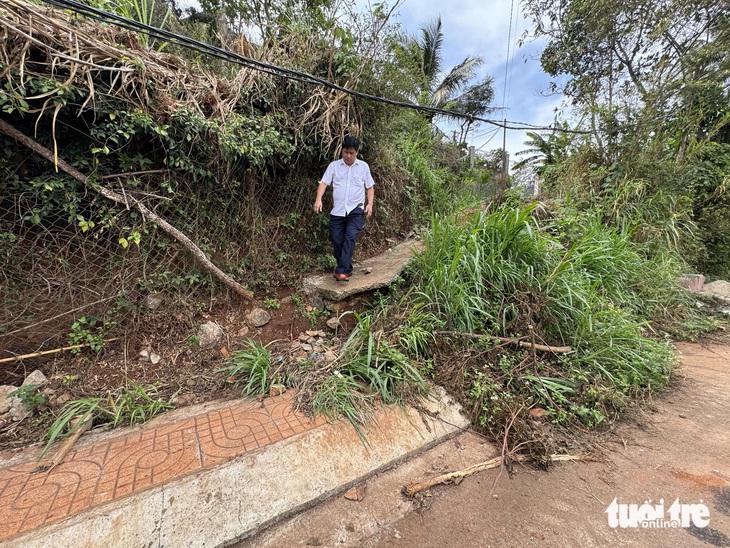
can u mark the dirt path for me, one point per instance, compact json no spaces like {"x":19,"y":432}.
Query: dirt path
{"x":677,"y":448}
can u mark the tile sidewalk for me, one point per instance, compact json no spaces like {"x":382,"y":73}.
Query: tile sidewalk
{"x":118,"y":467}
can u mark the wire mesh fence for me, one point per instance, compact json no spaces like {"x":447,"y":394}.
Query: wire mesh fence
{"x":169,"y":139}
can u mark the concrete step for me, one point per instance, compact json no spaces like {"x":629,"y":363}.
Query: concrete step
{"x":375,"y":273}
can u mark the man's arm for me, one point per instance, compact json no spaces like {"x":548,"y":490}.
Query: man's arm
{"x":371,"y":196}
{"x":318,"y":200}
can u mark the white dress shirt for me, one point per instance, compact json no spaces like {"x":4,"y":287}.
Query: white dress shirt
{"x":348,"y":185}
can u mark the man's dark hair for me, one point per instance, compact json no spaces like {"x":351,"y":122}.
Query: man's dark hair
{"x":351,"y":142}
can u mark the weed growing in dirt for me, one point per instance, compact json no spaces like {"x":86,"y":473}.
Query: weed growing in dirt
{"x":29,"y":395}
{"x":127,"y":405}
{"x":488,"y":288}
{"x":250,"y":366}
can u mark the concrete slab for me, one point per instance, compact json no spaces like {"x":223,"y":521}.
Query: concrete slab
{"x":382,"y":271}
{"x":239,"y":495}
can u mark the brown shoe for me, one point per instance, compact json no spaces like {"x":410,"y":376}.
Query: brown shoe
{"x":341,"y":277}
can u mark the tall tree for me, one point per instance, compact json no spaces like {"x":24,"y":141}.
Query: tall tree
{"x":445,"y":90}
{"x":654,"y":58}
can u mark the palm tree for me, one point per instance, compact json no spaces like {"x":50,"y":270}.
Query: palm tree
{"x":436,"y":89}
{"x":544,"y":150}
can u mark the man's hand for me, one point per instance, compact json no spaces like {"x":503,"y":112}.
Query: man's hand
{"x":370,"y":192}
{"x":318,"y":198}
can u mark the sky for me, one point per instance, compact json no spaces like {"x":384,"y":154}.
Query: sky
{"x":482,"y":27}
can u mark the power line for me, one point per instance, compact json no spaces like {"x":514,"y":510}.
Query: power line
{"x":274,"y":70}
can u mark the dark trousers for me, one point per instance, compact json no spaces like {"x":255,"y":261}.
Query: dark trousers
{"x":343,"y":235}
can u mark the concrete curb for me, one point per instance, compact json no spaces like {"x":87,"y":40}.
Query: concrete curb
{"x":220,"y":506}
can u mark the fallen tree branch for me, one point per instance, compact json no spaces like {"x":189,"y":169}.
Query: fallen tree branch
{"x":525,"y":344}
{"x":49,"y":464}
{"x":413,"y":488}
{"x":146,"y":213}
{"x":54,"y":351}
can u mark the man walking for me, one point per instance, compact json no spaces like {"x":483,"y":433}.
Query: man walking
{"x":353,"y":194}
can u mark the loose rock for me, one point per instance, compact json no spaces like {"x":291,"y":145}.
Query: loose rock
{"x":258,"y":317}
{"x":209,"y":334}
{"x":356,"y":493}
{"x":6,"y":402}
{"x":154,"y":301}
{"x":36,"y":378}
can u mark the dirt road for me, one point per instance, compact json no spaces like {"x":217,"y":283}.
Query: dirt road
{"x":677,"y":450}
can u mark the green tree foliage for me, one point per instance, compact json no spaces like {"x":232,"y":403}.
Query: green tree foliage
{"x":544,"y":150}
{"x":650,"y":78}
{"x":445,"y":90}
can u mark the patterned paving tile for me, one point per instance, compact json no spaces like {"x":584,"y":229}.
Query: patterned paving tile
{"x":125,"y":465}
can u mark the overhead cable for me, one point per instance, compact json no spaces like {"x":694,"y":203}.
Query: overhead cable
{"x":274,"y":70}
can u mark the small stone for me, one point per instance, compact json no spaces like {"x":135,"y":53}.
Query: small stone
{"x":36,"y":378}
{"x":243,"y":331}
{"x":303,"y":337}
{"x":356,"y":493}
{"x":155,"y":358}
{"x":307,"y":347}
{"x":63,"y":397}
{"x":144,"y":355}
{"x":312,"y":333}
{"x":5,"y":402}
{"x":209,"y":334}
{"x":225,"y":352}
{"x":329,"y":356}
{"x":286,"y":300}
{"x":154,"y":301}
{"x":19,"y":410}
{"x":367,"y":270}
{"x":682,"y":416}
{"x":277,"y":389}
{"x":350,"y":528}
{"x":314,"y":541}
{"x":333,"y":323}
{"x":191,"y":382}
{"x":538,"y":412}
{"x":258,"y":317}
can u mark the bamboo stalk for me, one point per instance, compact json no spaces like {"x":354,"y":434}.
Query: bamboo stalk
{"x":54,"y":351}
{"x":525,"y":344}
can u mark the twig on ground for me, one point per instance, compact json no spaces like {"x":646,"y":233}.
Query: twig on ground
{"x":524,"y":344}
{"x":413,"y":488}
{"x":49,"y":464}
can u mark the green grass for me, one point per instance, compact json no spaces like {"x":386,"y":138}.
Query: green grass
{"x":585,"y":285}
{"x":127,"y":405}
{"x":249,"y":369}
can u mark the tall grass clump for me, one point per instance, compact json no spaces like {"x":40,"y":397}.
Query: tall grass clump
{"x":503,"y":274}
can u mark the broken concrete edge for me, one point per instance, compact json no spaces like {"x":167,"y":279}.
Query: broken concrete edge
{"x":242,"y":497}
